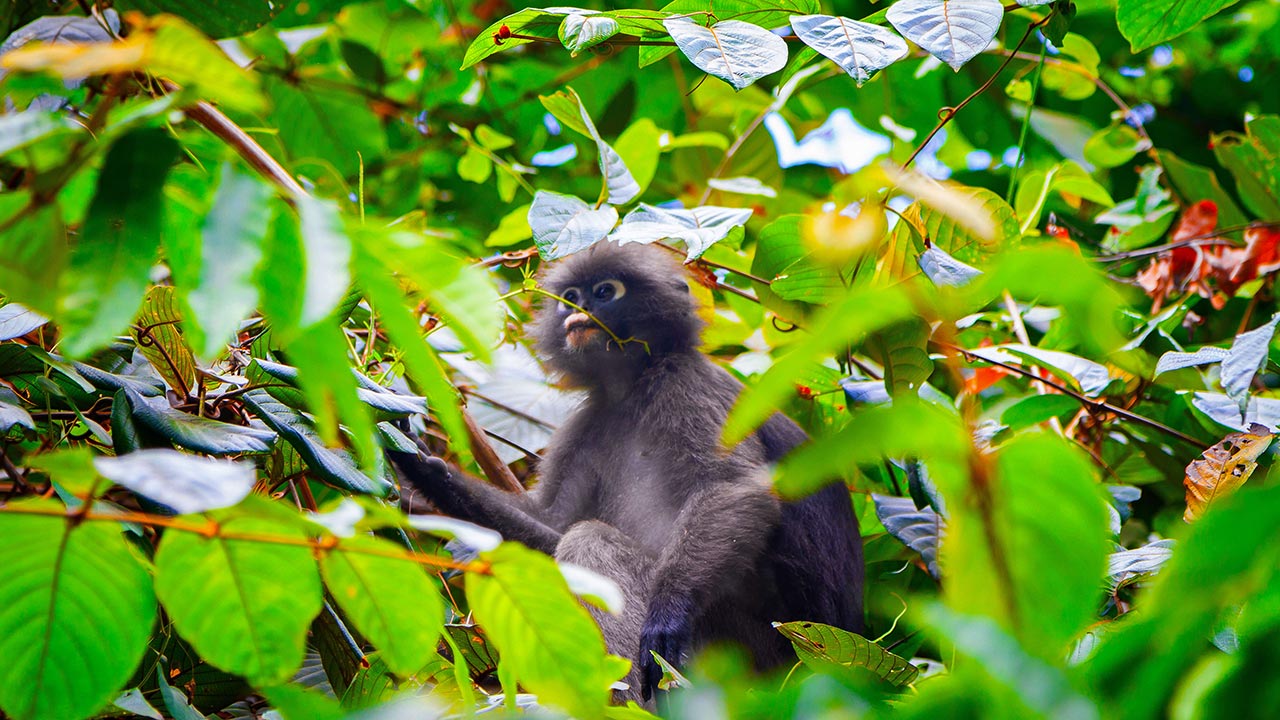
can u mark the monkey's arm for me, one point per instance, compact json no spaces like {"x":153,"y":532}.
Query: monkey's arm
{"x":716,"y":541}
{"x":475,"y":501}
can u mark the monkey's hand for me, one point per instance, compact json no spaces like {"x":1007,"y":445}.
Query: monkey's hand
{"x":667,"y":631}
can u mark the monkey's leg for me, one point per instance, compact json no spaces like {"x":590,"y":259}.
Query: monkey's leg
{"x":606,"y":550}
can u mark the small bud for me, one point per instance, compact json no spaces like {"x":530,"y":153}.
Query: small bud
{"x":804,"y":391}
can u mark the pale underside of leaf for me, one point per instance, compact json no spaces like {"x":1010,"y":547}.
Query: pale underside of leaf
{"x":954,"y":31}
{"x":858,"y":48}
{"x":734,"y":51}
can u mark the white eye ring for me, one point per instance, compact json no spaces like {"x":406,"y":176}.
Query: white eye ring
{"x":615,"y":290}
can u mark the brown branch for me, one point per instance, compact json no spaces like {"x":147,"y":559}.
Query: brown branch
{"x":1089,"y":403}
{"x":210,"y":528}
{"x":1213,"y":237}
{"x":950,"y":112}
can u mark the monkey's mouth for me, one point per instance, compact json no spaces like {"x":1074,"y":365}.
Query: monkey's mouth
{"x":580,"y":330}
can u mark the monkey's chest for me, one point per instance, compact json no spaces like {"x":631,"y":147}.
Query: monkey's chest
{"x":639,"y":493}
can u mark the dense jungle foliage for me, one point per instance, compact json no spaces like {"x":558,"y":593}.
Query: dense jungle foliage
{"x":1012,"y":265}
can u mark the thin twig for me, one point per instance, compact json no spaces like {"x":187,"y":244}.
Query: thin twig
{"x":1090,"y":403}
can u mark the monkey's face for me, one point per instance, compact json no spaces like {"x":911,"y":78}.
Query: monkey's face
{"x":614,"y":308}
{"x":585,"y":314}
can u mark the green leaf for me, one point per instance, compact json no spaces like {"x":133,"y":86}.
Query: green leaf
{"x":1196,"y":182}
{"x":954,"y":239}
{"x":546,"y":638}
{"x":1036,"y":409}
{"x":76,"y":609}
{"x":225,"y":19}
{"x":319,"y":123}
{"x":1042,"y":688}
{"x":1254,"y":162}
{"x":111,"y":262}
{"x":860,"y":312}
{"x":424,"y":367}
{"x":639,"y":148}
{"x":825,"y":648}
{"x":530,"y":22}
{"x":1114,"y":146}
{"x":34,"y":252}
{"x":901,"y":349}
{"x":197,"y":433}
{"x":1146,"y":23}
{"x":456,"y":291}
{"x":158,"y":333}
{"x":1002,"y":544}
{"x":331,"y":390}
{"x":474,"y":166}
{"x":1228,"y":557}
{"x":18,"y":130}
{"x":245,"y":604}
{"x":373,"y":395}
{"x":231,"y":243}
{"x":331,"y":465}
{"x":374,"y":591}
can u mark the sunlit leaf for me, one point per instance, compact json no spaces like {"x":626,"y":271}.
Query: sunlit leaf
{"x":858,"y":48}
{"x":74,"y":596}
{"x":954,"y":31}
{"x":245,"y":604}
{"x":230,"y":250}
{"x":1145,"y":23}
{"x":165,"y":45}
{"x":1223,"y":468}
{"x":120,"y":239}
{"x":734,"y":51}
{"x":374,"y":591}
{"x":550,"y":643}
{"x":1246,"y":357}
{"x":698,"y":229}
{"x":17,"y":320}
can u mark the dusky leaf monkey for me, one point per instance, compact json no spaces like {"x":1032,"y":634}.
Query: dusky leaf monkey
{"x":637,"y":486}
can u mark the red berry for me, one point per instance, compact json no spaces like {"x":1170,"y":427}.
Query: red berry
{"x":804,"y":391}
{"x":504,"y":32}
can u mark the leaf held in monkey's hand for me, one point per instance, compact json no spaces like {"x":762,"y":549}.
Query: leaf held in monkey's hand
{"x":831,"y":650}
{"x":1223,"y":468}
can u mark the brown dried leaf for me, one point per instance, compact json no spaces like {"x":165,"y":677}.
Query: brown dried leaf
{"x":1223,"y":468}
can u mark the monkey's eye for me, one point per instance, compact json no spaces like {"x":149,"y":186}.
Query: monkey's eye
{"x":571,"y":296}
{"x":609,"y":290}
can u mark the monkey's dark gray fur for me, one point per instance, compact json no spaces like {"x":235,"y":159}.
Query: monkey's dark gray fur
{"x":636,"y":485}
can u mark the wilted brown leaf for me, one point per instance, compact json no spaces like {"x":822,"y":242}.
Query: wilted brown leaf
{"x":1223,"y":468}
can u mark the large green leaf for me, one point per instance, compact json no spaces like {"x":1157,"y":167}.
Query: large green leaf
{"x":111,"y":261}
{"x":376,"y":593}
{"x":324,"y":128}
{"x":230,"y":250}
{"x":1230,"y":555}
{"x":33,"y":253}
{"x":76,"y":608}
{"x":1254,"y":162}
{"x":547,"y":640}
{"x":245,"y":604}
{"x":1146,"y":23}
{"x":1027,"y":544}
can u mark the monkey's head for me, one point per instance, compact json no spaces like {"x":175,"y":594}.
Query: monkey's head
{"x":638,"y":292}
